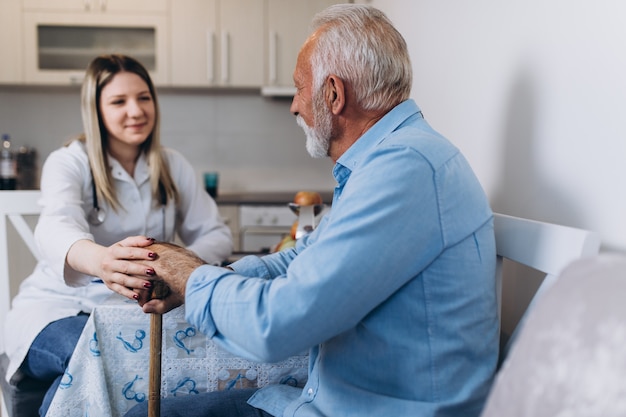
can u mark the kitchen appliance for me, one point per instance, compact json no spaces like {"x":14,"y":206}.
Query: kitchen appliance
{"x":307,"y":217}
{"x":261,"y":227}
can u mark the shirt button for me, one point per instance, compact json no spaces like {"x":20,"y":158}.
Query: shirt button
{"x":310,"y":391}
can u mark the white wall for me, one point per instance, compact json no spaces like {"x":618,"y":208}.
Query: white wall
{"x":252,"y":141}
{"x":533,"y":93}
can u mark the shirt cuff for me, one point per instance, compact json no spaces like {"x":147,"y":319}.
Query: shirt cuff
{"x":274,"y":399}
{"x":251,"y":266}
{"x":198,"y":294}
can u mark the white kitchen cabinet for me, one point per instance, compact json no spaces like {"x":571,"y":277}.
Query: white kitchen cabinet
{"x":217,"y":43}
{"x":183,"y":43}
{"x":239,"y":43}
{"x":10,"y":46}
{"x":58,"y":45}
{"x":193,"y":32}
{"x":97,"y":6}
{"x":288,"y":27}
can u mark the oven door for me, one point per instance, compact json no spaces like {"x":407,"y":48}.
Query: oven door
{"x":261,"y":239}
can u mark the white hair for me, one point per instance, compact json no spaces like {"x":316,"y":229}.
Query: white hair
{"x":360,"y":45}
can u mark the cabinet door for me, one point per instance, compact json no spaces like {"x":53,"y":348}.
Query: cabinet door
{"x":241,"y":43}
{"x":140,"y":6}
{"x":288,"y":27}
{"x":10,"y":42}
{"x":58,"y":46}
{"x":194,"y":42}
{"x":217,"y":43}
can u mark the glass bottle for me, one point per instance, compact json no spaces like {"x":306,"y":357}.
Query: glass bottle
{"x":8,"y":165}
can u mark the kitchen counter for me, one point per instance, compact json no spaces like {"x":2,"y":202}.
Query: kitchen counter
{"x":270,"y":198}
{"x":259,"y":220}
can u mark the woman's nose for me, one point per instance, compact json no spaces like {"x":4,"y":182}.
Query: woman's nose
{"x":134,"y":108}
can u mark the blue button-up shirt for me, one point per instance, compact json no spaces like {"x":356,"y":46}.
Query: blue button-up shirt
{"x":394,"y":294}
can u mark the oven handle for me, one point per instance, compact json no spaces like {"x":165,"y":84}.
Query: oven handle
{"x":264,"y":230}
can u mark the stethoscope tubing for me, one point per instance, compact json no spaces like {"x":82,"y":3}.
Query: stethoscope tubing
{"x":97,"y":215}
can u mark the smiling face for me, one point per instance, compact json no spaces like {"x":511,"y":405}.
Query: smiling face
{"x":128,"y":113}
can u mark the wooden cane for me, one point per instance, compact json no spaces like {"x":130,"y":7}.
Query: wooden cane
{"x":154,"y":384}
{"x":159,"y":290}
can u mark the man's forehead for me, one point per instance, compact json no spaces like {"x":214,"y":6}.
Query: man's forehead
{"x":303,"y":63}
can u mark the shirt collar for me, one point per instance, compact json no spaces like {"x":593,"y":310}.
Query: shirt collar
{"x":373,"y":136}
{"x":141,"y":174}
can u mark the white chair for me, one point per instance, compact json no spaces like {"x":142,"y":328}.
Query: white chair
{"x":545,"y":247}
{"x":568,"y":359}
{"x":18,"y":212}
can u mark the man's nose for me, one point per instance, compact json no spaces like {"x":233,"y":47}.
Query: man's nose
{"x":293,"y":108}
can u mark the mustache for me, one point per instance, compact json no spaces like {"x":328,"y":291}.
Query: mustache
{"x":302,"y":123}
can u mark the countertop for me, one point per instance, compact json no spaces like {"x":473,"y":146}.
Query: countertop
{"x":266,"y":197}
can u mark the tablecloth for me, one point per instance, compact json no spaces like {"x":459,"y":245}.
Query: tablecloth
{"x":108,"y":372}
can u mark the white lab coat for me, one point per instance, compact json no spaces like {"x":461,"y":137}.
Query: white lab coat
{"x":54,"y":291}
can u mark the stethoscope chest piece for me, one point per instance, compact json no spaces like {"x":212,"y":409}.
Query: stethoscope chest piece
{"x":96,"y":216}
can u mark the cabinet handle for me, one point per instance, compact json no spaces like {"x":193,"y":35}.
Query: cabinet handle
{"x":273,"y":58}
{"x":76,"y":79}
{"x":87,"y":4}
{"x":103,"y":5}
{"x":225,"y":56}
{"x":210,"y":53}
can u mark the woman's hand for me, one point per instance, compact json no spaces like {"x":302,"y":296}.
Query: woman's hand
{"x":114,"y":264}
{"x":173,"y":266}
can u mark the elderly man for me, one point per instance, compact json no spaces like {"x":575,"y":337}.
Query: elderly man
{"x":394,"y":293}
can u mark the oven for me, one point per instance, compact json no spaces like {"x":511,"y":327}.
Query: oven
{"x":261,"y":227}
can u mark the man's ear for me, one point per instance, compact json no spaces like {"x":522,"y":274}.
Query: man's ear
{"x":335,"y":94}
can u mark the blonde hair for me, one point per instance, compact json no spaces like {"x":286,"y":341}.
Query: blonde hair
{"x":99,"y":73}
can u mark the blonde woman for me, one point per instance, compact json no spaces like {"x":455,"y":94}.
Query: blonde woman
{"x":105,"y":196}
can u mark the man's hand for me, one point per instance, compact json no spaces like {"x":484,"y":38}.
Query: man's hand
{"x":173,"y":266}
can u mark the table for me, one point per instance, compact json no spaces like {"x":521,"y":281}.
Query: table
{"x":108,"y":372}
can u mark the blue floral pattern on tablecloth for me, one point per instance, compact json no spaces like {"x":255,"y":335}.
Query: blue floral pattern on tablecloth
{"x":108,"y":373}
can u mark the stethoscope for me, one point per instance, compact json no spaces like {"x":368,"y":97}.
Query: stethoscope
{"x":97,"y":215}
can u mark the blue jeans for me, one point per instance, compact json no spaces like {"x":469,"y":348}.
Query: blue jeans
{"x":50,"y":353}
{"x":230,"y":403}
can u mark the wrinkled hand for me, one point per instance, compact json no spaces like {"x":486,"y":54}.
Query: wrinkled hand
{"x":173,"y":266}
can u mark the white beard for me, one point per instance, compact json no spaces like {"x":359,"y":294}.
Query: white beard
{"x":318,"y":136}
{"x":316,"y":146}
